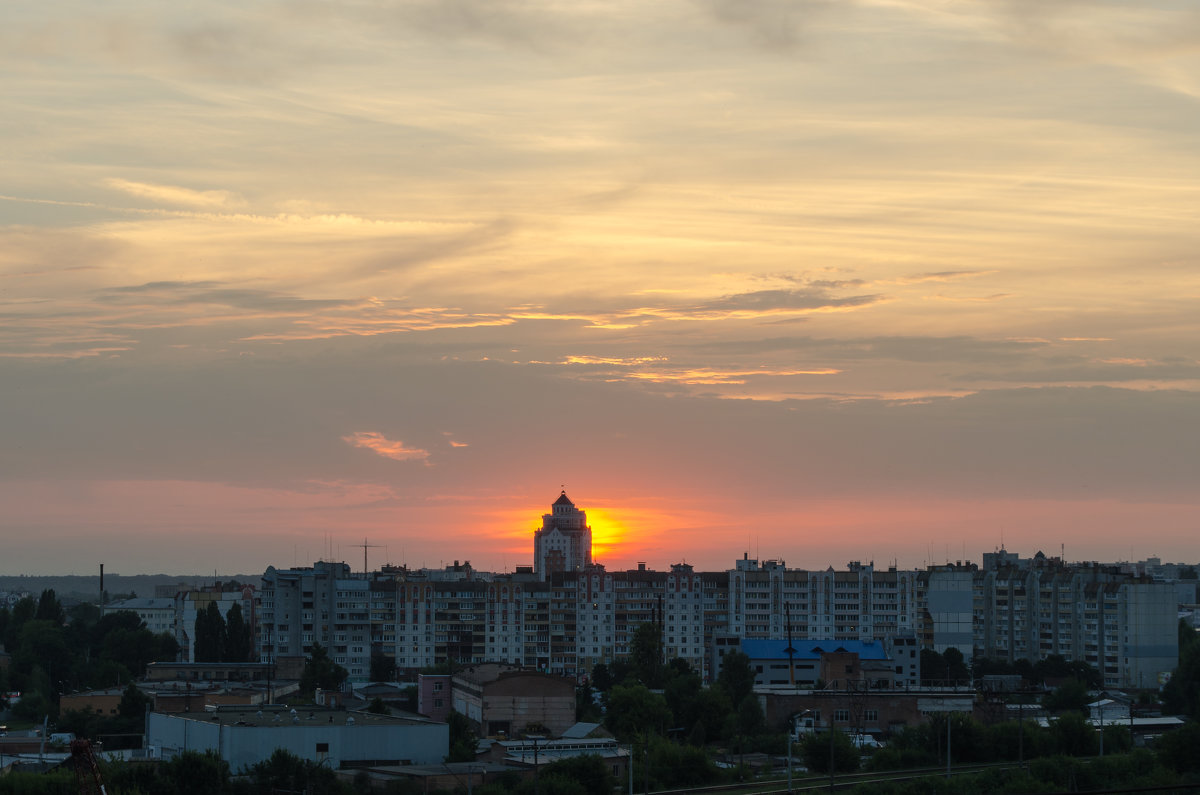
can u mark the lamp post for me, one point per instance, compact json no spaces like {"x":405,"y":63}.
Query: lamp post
{"x":949,"y":723}
{"x":791,"y":737}
{"x":629,"y":764}
{"x":1021,"y":731}
{"x":832,"y":761}
{"x":535,"y":738}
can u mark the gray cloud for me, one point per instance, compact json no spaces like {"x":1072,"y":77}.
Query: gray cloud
{"x":537,"y":26}
{"x":768,"y":300}
{"x":206,"y":292}
{"x":776,"y":25}
{"x":908,"y":349}
{"x":1079,"y":370}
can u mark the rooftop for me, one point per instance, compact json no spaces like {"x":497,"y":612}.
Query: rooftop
{"x":280,"y":715}
{"x":764,"y":649}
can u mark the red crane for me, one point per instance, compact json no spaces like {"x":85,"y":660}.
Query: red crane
{"x":87,"y":772}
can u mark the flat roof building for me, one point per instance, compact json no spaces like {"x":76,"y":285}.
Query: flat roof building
{"x":245,"y":736}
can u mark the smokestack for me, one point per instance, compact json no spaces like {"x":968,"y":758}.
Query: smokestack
{"x":101,"y":583}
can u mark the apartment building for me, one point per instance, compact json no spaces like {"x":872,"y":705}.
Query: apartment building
{"x":319,"y":604}
{"x":567,"y":614}
{"x":1122,"y":624}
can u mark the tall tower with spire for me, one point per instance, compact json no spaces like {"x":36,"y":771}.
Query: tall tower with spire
{"x":564,"y":541}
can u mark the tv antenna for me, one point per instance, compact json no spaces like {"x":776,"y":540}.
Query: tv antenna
{"x":366,"y":546}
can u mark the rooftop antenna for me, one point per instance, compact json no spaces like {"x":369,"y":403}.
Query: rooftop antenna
{"x":365,"y":545}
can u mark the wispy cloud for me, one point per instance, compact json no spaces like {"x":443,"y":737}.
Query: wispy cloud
{"x":173,"y":194}
{"x":380,"y":445}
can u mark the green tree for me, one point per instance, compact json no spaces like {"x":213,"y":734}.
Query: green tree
{"x":956,"y":666}
{"x":736,"y":677}
{"x":210,"y":636}
{"x":43,"y":644}
{"x":933,"y":667}
{"x":320,"y":671}
{"x":589,"y":772}
{"x":711,"y":707}
{"x":1181,"y":695}
{"x":1074,"y":735}
{"x":633,"y":710}
{"x":132,"y":707}
{"x":646,"y":655}
{"x":1070,"y":696}
{"x":672,"y":765}
{"x":463,"y":739}
{"x":1177,"y":749}
{"x":193,"y":773}
{"x":49,"y":608}
{"x":383,"y":666}
{"x":585,"y":705}
{"x":601,"y":678}
{"x":283,"y":771}
{"x":682,"y":690}
{"x":134,"y":649}
{"x":816,"y":751}
{"x":239,"y":643}
{"x":749,"y":720}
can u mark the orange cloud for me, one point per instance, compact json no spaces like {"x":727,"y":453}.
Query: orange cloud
{"x":379,"y":444}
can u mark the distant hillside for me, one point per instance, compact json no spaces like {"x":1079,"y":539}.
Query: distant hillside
{"x":87,"y":587}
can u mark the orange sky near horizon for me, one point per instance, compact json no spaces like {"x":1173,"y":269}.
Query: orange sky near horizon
{"x":825,"y":281}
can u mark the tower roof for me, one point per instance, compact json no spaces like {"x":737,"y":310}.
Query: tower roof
{"x":563,"y":499}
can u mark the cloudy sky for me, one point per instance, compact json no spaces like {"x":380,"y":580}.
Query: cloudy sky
{"x":890,"y":280}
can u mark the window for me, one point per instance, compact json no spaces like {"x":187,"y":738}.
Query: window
{"x":871,"y":715}
{"x":842,"y":715}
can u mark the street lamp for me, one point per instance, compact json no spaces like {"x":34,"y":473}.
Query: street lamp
{"x":790,"y":739}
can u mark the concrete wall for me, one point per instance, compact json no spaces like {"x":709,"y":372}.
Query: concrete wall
{"x":332,"y":743}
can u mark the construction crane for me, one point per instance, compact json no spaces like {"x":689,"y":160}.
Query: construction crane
{"x":87,"y":772}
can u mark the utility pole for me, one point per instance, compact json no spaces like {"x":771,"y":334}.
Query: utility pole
{"x":1021,"y":732}
{"x":535,"y":764}
{"x":629,"y":763}
{"x":646,"y":763}
{"x":832,"y":762}
{"x":949,"y":723}
{"x":787,"y":617}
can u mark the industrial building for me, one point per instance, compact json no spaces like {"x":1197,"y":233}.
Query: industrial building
{"x":244,"y":736}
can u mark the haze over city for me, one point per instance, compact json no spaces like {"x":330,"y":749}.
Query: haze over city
{"x":890,"y":280}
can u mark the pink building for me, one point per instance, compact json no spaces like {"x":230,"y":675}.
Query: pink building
{"x":433,"y":696}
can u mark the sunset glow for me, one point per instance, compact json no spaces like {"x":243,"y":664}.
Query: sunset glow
{"x":610,"y":537}
{"x":816,"y":280}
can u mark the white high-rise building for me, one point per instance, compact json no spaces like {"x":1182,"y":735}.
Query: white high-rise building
{"x":564,"y":541}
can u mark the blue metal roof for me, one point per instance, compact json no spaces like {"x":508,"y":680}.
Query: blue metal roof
{"x":763,"y":649}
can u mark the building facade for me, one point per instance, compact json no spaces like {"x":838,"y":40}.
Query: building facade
{"x":566,"y":614}
{"x":564,"y":541}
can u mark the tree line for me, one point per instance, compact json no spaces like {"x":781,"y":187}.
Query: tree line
{"x":55,"y":651}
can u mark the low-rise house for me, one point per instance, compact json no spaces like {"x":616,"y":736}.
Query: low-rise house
{"x":505,"y":700}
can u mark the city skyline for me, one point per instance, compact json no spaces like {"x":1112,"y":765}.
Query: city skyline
{"x":821,"y":281}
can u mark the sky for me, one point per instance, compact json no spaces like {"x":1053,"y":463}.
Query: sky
{"x":900,"y":281}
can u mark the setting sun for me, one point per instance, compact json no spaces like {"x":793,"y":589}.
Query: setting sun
{"x":608,"y":533}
